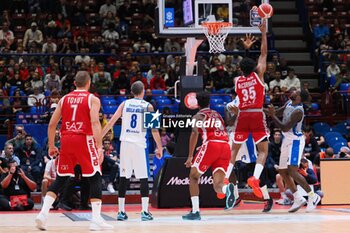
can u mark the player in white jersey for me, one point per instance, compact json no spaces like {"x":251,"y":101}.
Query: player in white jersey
{"x":292,"y":149}
{"x":133,"y":147}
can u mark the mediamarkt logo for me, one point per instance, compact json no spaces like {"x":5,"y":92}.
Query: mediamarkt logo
{"x":178,"y":181}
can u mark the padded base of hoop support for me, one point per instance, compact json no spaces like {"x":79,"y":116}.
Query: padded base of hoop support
{"x":191,"y":46}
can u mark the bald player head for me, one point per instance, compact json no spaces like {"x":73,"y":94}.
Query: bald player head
{"x":82,"y":80}
{"x":138,"y":89}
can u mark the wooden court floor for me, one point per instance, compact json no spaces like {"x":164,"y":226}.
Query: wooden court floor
{"x":247,"y":218}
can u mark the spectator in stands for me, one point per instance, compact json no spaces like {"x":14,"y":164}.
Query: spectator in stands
{"x":111,"y":34}
{"x":64,"y":8}
{"x":273,"y":157}
{"x":108,"y":20}
{"x":17,"y":186}
{"x":4,"y":103}
{"x":124,"y":13}
{"x":333,"y":69}
{"x":33,"y":34}
{"x":292,"y":80}
{"x":3,"y":168}
{"x":121,"y":84}
{"x":65,"y":46}
{"x":67,"y":82}
{"x":321,"y":30}
{"x":52,"y":81}
{"x":35,"y":99}
{"x":19,"y":104}
{"x":101,"y":68}
{"x":107,"y":7}
{"x":138,"y":77}
{"x":149,"y":98}
{"x":31,"y":158}
{"x":344,"y":152}
{"x":343,"y":76}
{"x":151,"y":73}
{"x":50,"y":174}
{"x":170,"y":44}
{"x":102,"y":84}
{"x":157,"y":82}
{"x":49,"y":46}
{"x":63,"y":26}
{"x":36,"y":82}
{"x":143,"y":60}
{"x":82,"y":57}
{"x":6,"y":36}
{"x":311,"y":146}
{"x":278,"y":82}
{"x":8,"y":153}
{"x":110,"y":164}
{"x":221,"y":79}
{"x":277,"y":97}
{"x":283,"y":67}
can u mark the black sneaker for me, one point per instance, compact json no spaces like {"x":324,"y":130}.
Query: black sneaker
{"x":84,"y":207}
{"x":64,"y":206}
{"x":146,"y":216}
{"x":192,"y":216}
{"x":230,"y":197}
{"x":268,"y":205}
{"x":122,"y":216}
{"x":238,"y":201}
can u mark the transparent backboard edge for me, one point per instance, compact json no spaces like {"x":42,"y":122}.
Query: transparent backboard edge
{"x":197,"y":32}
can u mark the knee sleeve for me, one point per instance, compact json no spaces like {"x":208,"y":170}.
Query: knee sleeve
{"x":144,"y":187}
{"x":58,"y":185}
{"x":95,"y":186}
{"x":122,"y":187}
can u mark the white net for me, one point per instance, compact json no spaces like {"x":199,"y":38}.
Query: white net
{"x":216,"y":36}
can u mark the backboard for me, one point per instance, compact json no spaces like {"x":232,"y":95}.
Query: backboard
{"x":183,"y":18}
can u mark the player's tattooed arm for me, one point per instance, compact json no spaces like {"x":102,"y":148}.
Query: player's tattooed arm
{"x":296,"y":116}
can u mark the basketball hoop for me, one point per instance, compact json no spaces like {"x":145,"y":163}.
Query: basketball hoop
{"x":216,"y":32}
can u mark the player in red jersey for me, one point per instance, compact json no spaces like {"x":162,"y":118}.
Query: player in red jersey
{"x":81,"y":143}
{"x":214,"y":152}
{"x":250,"y":90}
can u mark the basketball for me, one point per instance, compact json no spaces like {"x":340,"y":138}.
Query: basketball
{"x":265,"y":11}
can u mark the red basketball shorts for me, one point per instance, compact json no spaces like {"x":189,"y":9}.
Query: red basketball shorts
{"x":250,"y":122}
{"x":212,"y":154}
{"x":78,"y":149}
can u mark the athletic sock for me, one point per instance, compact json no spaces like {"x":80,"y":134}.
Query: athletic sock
{"x":48,"y":201}
{"x":311,"y":194}
{"x":229,"y":170}
{"x":224,"y":189}
{"x":265,"y":192}
{"x":96,"y":209}
{"x":144,"y":201}
{"x":235,"y":191}
{"x":258,"y":170}
{"x":296,"y":195}
{"x":283,"y":195}
{"x":121,"y":204}
{"x":195,"y":204}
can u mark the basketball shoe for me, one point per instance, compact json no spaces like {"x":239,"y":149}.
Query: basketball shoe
{"x":255,"y":185}
{"x":146,"y":216}
{"x":230,"y":197}
{"x":122,"y":216}
{"x":312,"y":202}
{"x":99,"y":225}
{"x":40,"y":221}
{"x":297,"y":204}
{"x":268,"y":205}
{"x":192,"y":216}
{"x":222,"y":195}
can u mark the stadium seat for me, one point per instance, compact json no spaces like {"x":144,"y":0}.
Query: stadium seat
{"x":120,"y":99}
{"x":341,"y":128}
{"x":157,"y":92}
{"x":220,"y":108}
{"x":106,"y":102}
{"x":333,"y":141}
{"x":344,"y":89}
{"x":110,"y":109}
{"x":163,"y":101}
{"x":321,"y":127}
{"x":227,"y":98}
{"x":336,"y":147}
{"x":331,"y":135}
{"x":214,"y":101}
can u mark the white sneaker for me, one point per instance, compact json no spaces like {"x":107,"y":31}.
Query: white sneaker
{"x":40,"y":221}
{"x":100,"y":225}
{"x":110,"y":188}
{"x":284,"y":201}
{"x":312,"y":202}
{"x":297,"y":204}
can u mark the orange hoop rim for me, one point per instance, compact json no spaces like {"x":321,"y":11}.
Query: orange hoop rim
{"x":214,"y":27}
